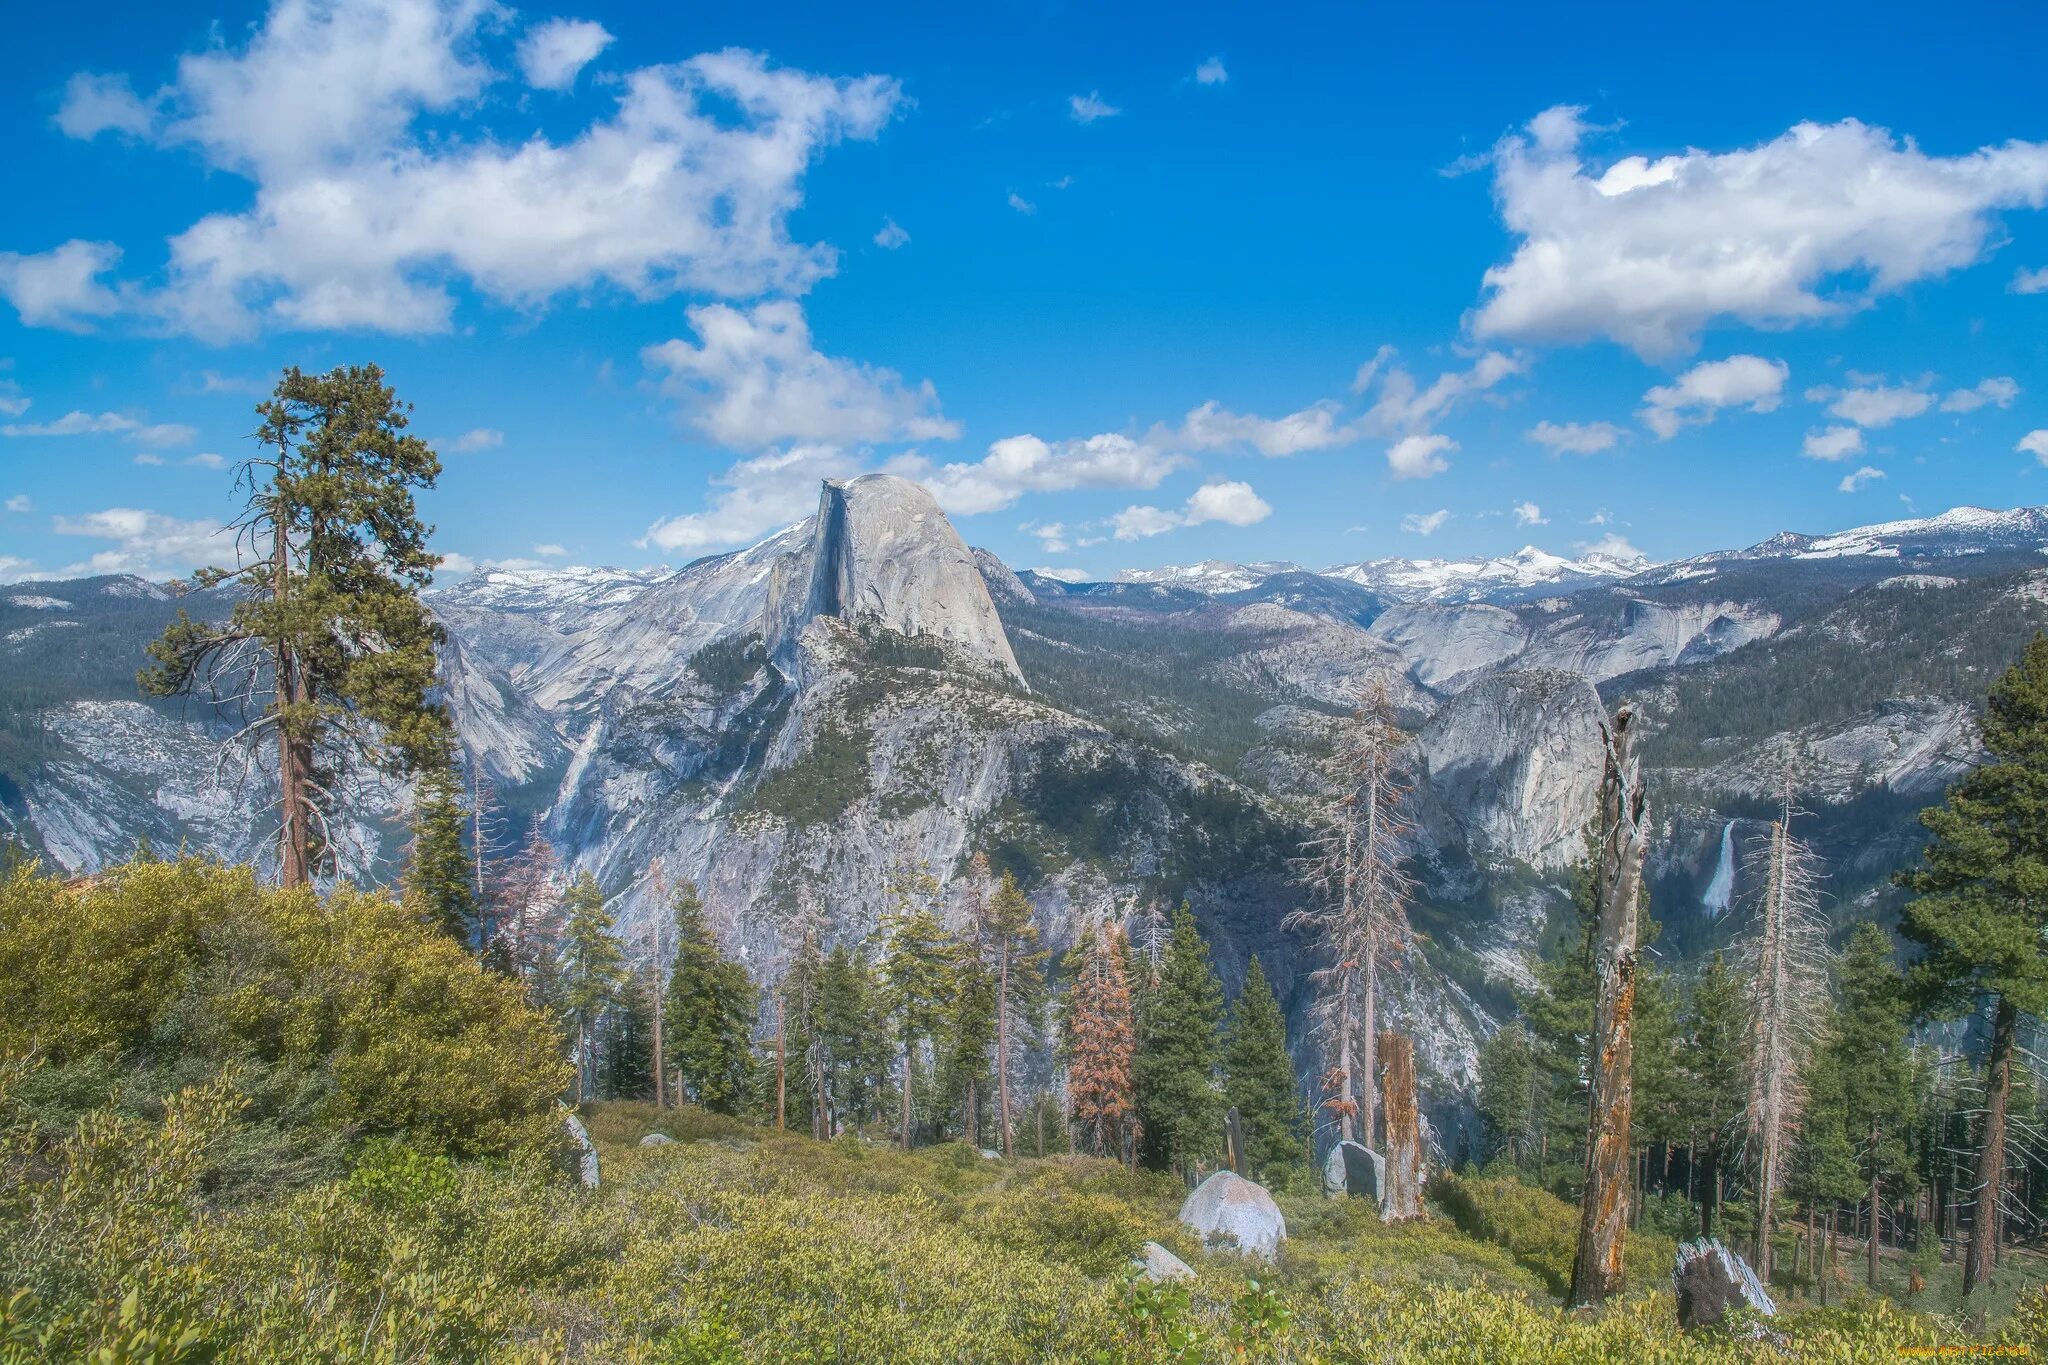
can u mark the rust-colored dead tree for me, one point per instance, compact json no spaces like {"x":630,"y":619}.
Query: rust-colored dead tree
{"x":1617,"y":893}
{"x":1401,"y":1199}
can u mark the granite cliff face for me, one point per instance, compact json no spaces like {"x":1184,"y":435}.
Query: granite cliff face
{"x":796,"y":724}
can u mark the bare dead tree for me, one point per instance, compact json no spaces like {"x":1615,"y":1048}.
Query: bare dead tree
{"x":1359,"y":913}
{"x":1785,"y":958}
{"x":1624,"y":824}
{"x":1401,"y":1200}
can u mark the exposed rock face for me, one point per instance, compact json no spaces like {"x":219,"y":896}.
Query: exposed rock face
{"x":1226,"y":1209}
{"x":1510,"y":767}
{"x":1445,"y":646}
{"x":582,"y":1150}
{"x":1160,"y":1265}
{"x":1354,"y":1169}
{"x":657,"y":1140}
{"x":1709,"y":1280}
{"x":882,"y":551}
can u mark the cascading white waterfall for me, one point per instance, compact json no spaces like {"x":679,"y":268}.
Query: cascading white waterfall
{"x":1721,"y":889}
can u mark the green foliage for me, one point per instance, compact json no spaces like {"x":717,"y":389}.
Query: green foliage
{"x":1979,"y":917}
{"x":1540,"y":1230}
{"x":346,"y":1018}
{"x":729,"y":664}
{"x":1716,"y":1075}
{"x":823,"y":783}
{"x":439,"y":876}
{"x":593,"y":970}
{"x":1180,"y":1054}
{"x":1258,"y":1079}
{"x":327,"y":622}
{"x":1507,"y":1091}
{"x":710,"y":1012}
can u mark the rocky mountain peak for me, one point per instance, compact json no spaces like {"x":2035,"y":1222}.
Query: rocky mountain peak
{"x":881,"y":551}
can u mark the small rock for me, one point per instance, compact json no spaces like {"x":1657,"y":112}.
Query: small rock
{"x":987,"y":1155}
{"x":1354,"y":1169}
{"x":1226,"y":1206}
{"x":1709,"y":1280}
{"x":586,"y":1150}
{"x":1160,"y":1265}
{"x":657,"y":1140}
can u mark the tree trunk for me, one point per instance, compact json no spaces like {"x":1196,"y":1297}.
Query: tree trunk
{"x":909,"y":1073}
{"x":1348,"y":1107}
{"x":1991,"y":1158}
{"x":1368,"y":1120}
{"x":781,"y":1070}
{"x":294,"y":754}
{"x":1624,"y":819}
{"x":970,"y":1118}
{"x":1401,"y":1200}
{"x":660,"y":1056}
{"x":1870,"y":1256}
{"x":1003,"y":1041}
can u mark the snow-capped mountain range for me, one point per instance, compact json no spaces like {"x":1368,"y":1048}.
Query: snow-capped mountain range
{"x":1529,"y":570}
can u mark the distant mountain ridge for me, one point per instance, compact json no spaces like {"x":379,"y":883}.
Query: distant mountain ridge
{"x":1958,"y":531}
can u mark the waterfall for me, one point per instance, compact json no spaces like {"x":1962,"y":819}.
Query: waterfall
{"x":1722,"y":888}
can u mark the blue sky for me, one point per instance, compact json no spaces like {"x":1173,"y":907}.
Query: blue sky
{"x":1123,"y":288}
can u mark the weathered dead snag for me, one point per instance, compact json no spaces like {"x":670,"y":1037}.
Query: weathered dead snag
{"x":1617,"y":893}
{"x":1401,"y":1197}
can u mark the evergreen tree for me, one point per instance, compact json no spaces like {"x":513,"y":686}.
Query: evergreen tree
{"x":593,"y":970}
{"x":1716,"y":1075}
{"x":1179,"y":1054}
{"x":1020,"y":984}
{"x":971,"y":1036}
{"x":853,"y":1037}
{"x":1822,"y":1173}
{"x":1258,"y":1078}
{"x":1980,"y":918}
{"x":805,"y":1067}
{"x":709,"y":1006}
{"x":626,"y":1054}
{"x":916,"y":971}
{"x":1100,"y":1041}
{"x":439,"y":877}
{"x":1508,"y":1091}
{"x":1869,"y":1046}
{"x":327,"y":622}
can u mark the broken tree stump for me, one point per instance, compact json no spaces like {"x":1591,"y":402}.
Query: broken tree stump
{"x":1401,"y":1193}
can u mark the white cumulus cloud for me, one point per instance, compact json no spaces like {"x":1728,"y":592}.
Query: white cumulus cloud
{"x":1575,"y":438}
{"x":1698,"y":395}
{"x":1998,"y":391}
{"x":2035,"y":443}
{"x":1090,"y":107}
{"x":1835,"y":443}
{"x":146,"y":543}
{"x":1419,"y":457}
{"x":754,"y":497}
{"x":2030,"y":281}
{"x":1211,"y":72}
{"x":891,"y":236}
{"x":1852,"y":482}
{"x":1809,"y":225}
{"x":1529,"y":514}
{"x":361,"y":217}
{"x":1221,"y":500}
{"x":1315,"y":427}
{"x":755,"y":379}
{"x":1017,"y":465}
{"x":551,"y":54}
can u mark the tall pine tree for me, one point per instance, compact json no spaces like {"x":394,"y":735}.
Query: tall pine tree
{"x":593,"y":971}
{"x":917,"y":975}
{"x":1869,"y":1047}
{"x":709,"y":1007}
{"x":1717,"y":1077}
{"x":1180,"y":1102}
{"x":327,"y":624}
{"x":1980,"y":917}
{"x":439,"y":877}
{"x":1258,"y":1078}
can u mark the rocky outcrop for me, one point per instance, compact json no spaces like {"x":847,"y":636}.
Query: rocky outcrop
{"x":1159,"y":1265}
{"x":882,"y":552}
{"x":1230,"y":1211}
{"x":1510,"y":765}
{"x":582,"y":1151}
{"x":1709,"y":1280}
{"x":1356,"y":1170}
